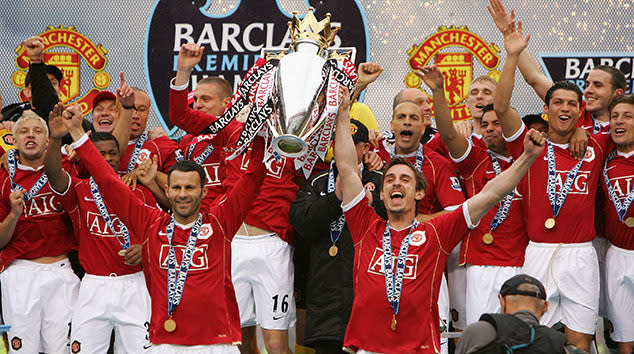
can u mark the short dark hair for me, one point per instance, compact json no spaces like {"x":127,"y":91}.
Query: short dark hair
{"x":188,"y":166}
{"x":621,"y":99}
{"x":616,"y":75}
{"x":102,"y":136}
{"x":563,"y":85}
{"x":421,"y":183}
{"x":222,"y":84}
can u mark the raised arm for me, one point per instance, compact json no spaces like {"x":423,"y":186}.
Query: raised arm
{"x":345,"y":153}
{"x":531,"y":72}
{"x":514,"y":44}
{"x":43,"y":95}
{"x":121,"y":131}
{"x":118,"y":197}
{"x":7,"y":226}
{"x":57,"y":126}
{"x":456,"y":143}
{"x":506,"y":181}
{"x":368,"y":73}
{"x":191,"y":121}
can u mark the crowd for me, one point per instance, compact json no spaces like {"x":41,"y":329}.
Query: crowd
{"x":398,"y":240}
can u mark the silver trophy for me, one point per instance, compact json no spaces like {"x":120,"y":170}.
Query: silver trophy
{"x":300,"y":84}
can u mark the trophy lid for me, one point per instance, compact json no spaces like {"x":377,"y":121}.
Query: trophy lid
{"x":310,"y":29}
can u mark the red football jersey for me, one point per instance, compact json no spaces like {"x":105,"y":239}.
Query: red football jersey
{"x":437,"y":145}
{"x":163,"y":147}
{"x":573,"y":225}
{"x":98,"y":246}
{"x":208,"y":312}
{"x":509,"y":238}
{"x":443,"y":186}
{"x":418,"y":328}
{"x":591,"y":125}
{"x":620,"y":174}
{"x":194,"y":122}
{"x":44,"y":229}
{"x":278,"y":191}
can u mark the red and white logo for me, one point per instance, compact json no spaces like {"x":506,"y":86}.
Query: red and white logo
{"x":211,"y":170}
{"x":205,"y":232}
{"x":579,"y":185}
{"x":622,"y":185}
{"x":144,"y":154}
{"x":377,"y":267}
{"x":97,"y":225}
{"x":199,"y":258}
{"x":418,"y":238}
{"x":42,"y":204}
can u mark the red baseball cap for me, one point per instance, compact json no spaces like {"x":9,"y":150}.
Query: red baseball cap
{"x":103,"y":95}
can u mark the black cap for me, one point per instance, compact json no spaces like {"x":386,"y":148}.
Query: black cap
{"x":510,"y":287}
{"x":50,"y":69}
{"x":359,"y":132}
{"x":535,"y":118}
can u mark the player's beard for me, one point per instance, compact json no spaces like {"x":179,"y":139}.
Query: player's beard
{"x":185,"y":213}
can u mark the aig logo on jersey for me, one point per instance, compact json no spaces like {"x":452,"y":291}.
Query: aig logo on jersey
{"x":377,"y":267}
{"x":199,"y":258}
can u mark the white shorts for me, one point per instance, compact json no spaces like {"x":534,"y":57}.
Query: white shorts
{"x":457,"y":281}
{"x":483,"y":286}
{"x":198,"y":349}
{"x":570,"y":274}
{"x":619,"y":267}
{"x":443,"y":311}
{"x":601,"y":245}
{"x":107,"y":303}
{"x":37,"y":301}
{"x":262,"y":273}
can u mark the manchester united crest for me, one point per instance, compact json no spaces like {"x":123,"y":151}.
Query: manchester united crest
{"x":456,"y":66}
{"x":65,"y":48}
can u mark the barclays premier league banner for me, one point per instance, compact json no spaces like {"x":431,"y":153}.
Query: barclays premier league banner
{"x":233,"y":41}
{"x":574,"y":67}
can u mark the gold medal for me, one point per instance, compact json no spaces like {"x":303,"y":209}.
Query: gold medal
{"x":122,"y":253}
{"x":487,"y":238}
{"x":333,"y":250}
{"x":629,"y":222}
{"x":393,"y":324}
{"x":550,"y":223}
{"x":169,"y":325}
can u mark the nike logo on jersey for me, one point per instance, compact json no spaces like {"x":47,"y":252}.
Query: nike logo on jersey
{"x":275,"y":318}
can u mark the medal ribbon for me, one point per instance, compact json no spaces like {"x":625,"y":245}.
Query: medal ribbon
{"x":336,"y":227}
{"x":12,"y":166}
{"x":557,"y":201}
{"x":176,"y":286}
{"x":135,"y":153}
{"x":101,"y":206}
{"x":505,"y":205}
{"x":394,"y":283}
{"x":621,"y":209}
{"x":203,"y":156}
{"x":596,"y":126}
{"x":419,"y":155}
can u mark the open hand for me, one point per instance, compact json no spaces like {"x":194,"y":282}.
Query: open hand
{"x":432,"y":77}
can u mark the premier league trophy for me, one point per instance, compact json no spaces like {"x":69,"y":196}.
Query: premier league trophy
{"x":300,"y":82}
{"x":294,"y":92}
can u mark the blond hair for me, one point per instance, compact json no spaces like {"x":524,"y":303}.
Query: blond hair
{"x":26,"y":115}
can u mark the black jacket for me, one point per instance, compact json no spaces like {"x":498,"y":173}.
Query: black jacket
{"x":329,"y":288}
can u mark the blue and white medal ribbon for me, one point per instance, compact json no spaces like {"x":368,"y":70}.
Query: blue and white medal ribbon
{"x":505,"y":205}
{"x":336,"y":227}
{"x":621,"y":209}
{"x":203,"y":156}
{"x":394,"y":282}
{"x":14,"y":186}
{"x":101,"y":206}
{"x":135,"y":153}
{"x":419,"y":156}
{"x":557,"y":201}
{"x":176,"y":282}
{"x":596,"y":126}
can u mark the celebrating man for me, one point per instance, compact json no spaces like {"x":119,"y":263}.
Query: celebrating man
{"x":408,"y":320}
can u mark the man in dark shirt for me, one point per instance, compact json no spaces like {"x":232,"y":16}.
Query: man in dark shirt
{"x":523,"y":301}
